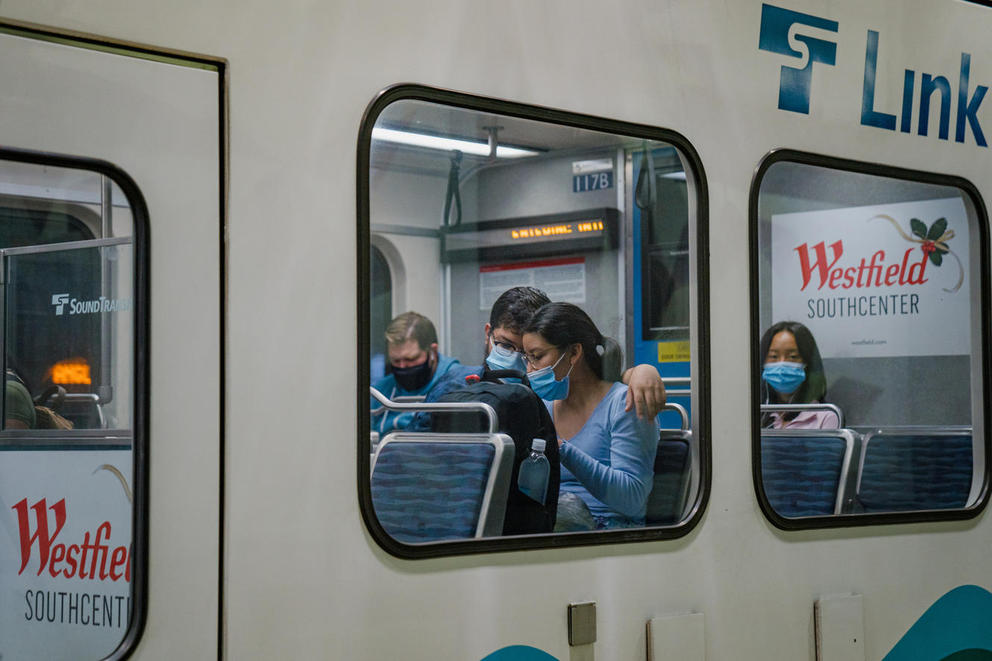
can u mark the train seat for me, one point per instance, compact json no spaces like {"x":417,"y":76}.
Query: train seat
{"x":805,"y":473}
{"x":612,"y":359}
{"x":925,"y":469}
{"x":671,"y":478}
{"x":83,"y":410}
{"x":432,"y":487}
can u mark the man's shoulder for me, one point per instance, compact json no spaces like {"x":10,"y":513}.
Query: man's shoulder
{"x":385,"y":383}
{"x":453,"y":379}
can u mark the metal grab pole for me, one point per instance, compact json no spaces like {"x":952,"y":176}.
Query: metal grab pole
{"x":105,"y":391}
{"x":454,"y":407}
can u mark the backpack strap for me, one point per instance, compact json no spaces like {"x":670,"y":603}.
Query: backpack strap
{"x":495,"y":376}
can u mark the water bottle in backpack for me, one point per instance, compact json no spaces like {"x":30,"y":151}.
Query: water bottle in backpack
{"x":534,"y":472}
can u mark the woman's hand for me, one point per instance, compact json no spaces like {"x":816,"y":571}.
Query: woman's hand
{"x":645,"y":391}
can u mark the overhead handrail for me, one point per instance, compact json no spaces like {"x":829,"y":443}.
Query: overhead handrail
{"x":795,"y":408}
{"x":438,"y":407}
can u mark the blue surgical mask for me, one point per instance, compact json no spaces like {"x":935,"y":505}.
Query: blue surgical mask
{"x":784,"y":377}
{"x":544,"y":383}
{"x":501,"y":358}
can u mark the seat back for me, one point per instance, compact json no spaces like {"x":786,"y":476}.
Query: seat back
{"x":799,"y":408}
{"x":925,"y":469}
{"x":805,"y":473}
{"x":83,"y":410}
{"x":671,"y":478}
{"x":433,"y":487}
{"x":612,"y":360}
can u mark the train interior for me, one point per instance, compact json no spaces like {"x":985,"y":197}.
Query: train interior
{"x":465,"y":203}
{"x":911,"y":436}
{"x":68,"y":265}
{"x":68,"y":279}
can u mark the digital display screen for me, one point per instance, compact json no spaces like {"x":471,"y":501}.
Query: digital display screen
{"x":529,"y":237}
{"x":543,"y":231}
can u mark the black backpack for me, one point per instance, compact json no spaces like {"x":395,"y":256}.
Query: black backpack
{"x":523,"y":417}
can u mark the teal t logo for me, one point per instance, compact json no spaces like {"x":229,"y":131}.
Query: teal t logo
{"x":778,"y":35}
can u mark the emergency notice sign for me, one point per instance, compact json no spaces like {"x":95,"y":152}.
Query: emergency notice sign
{"x":561,"y":279}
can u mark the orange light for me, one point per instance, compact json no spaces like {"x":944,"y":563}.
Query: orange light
{"x":74,"y":371}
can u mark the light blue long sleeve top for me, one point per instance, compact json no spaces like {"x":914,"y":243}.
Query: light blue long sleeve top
{"x":609,"y":464}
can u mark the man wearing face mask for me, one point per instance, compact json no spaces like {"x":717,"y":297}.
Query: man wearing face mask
{"x":415,"y":365}
{"x":503,"y":349}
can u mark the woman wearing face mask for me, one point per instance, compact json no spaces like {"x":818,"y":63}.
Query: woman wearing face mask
{"x":607,"y":453}
{"x":793,"y":374}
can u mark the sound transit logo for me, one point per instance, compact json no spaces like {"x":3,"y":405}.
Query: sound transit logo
{"x":780,"y":34}
{"x":102,"y":304}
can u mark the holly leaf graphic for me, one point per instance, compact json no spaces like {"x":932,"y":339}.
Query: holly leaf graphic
{"x":919,"y":227}
{"x":937,"y":229}
{"x":936,"y":258}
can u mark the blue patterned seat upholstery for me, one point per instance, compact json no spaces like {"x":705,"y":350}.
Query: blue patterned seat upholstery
{"x":803,"y":473}
{"x":671,"y":479}
{"x":432,"y":490}
{"x":919,"y":470}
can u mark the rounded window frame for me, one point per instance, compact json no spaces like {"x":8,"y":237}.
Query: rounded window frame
{"x":416,"y":92}
{"x":141,"y":379}
{"x":906,"y":174}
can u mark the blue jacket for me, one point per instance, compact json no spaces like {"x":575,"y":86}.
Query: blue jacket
{"x":447,"y":370}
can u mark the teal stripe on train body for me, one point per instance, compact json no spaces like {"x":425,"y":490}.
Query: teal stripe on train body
{"x":519,"y":653}
{"x":957,"y":627}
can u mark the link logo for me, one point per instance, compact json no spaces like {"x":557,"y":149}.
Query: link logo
{"x":59,"y":301}
{"x":957,"y":108}
{"x":779,"y":34}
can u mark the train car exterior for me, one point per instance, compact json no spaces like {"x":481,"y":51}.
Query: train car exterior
{"x":209,"y":212}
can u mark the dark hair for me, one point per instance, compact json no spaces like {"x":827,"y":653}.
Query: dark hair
{"x":515,"y":307}
{"x":411,"y":326}
{"x":814,"y":388}
{"x":564,"y":324}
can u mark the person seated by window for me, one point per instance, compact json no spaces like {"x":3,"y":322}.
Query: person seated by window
{"x":607,"y":451}
{"x":416,"y":368}
{"x":503,"y":349}
{"x":18,"y":405}
{"x":793,"y":374}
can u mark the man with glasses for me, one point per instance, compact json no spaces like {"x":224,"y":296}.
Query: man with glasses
{"x":504,"y":350}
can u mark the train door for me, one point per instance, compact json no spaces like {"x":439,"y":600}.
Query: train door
{"x":110,"y":207}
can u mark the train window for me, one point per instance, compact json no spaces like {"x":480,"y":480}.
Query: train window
{"x":527,"y":236}
{"x":69,"y":279}
{"x":870,"y":337}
